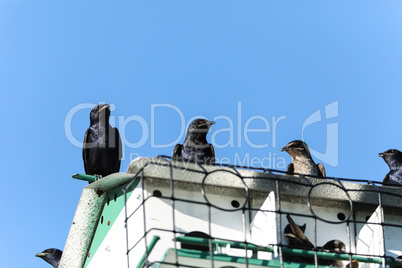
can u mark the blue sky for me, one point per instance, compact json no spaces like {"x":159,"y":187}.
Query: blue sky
{"x":168,"y":61}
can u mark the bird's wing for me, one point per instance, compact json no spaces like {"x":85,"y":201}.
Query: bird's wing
{"x":212,"y":161}
{"x":288,"y":228}
{"x":296,"y":229}
{"x":386,"y":180}
{"x":85,"y":151}
{"x":321,"y":168}
{"x":118,"y":142}
{"x":298,"y":233}
{"x":290,"y":169}
{"x":177,"y":151}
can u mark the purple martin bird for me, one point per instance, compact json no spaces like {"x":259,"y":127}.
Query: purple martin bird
{"x":296,"y":239}
{"x":102,"y":149}
{"x":393,"y":158}
{"x":302,"y":163}
{"x":398,"y":259}
{"x":195,"y":147}
{"x":295,"y":235}
{"x":51,"y":256}
{"x":335,"y":246}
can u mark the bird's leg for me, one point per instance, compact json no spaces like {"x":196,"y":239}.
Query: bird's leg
{"x":97,"y":177}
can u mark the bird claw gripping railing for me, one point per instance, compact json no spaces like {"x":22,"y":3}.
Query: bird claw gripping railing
{"x":143,"y":235}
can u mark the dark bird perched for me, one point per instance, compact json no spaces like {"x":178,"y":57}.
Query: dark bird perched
{"x":51,"y":256}
{"x":195,"y":147}
{"x":393,"y":158}
{"x":399,"y":258}
{"x":302,"y":163}
{"x":295,"y":235}
{"x":102,"y":149}
{"x":335,"y":246}
{"x":296,"y":239}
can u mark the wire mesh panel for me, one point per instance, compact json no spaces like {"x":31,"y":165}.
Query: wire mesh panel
{"x":188,"y":215}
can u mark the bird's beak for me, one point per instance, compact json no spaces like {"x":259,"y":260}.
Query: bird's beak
{"x":40,"y":255}
{"x":211,"y":123}
{"x":284,"y":149}
{"x":104,"y":107}
{"x":381,"y":154}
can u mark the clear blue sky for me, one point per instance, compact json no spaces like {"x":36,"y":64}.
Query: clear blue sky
{"x":274,"y":59}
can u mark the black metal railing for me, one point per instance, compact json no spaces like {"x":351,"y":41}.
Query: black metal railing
{"x":279,"y":183}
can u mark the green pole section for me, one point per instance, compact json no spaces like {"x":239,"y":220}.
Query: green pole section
{"x":287,"y":251}
{"x":149,"y":249}
{"x":84,"y":177}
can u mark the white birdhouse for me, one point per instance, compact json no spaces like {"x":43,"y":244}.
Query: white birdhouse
{"x":164,"y":213}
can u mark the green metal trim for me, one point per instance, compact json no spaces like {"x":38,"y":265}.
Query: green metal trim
{"x":223,"y":257}
{"x":114,"y":205}
{"x":196,"y":254}
{"x":85,"y":177}
{"x":149,"y":249}
{"x":287,"y":251}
